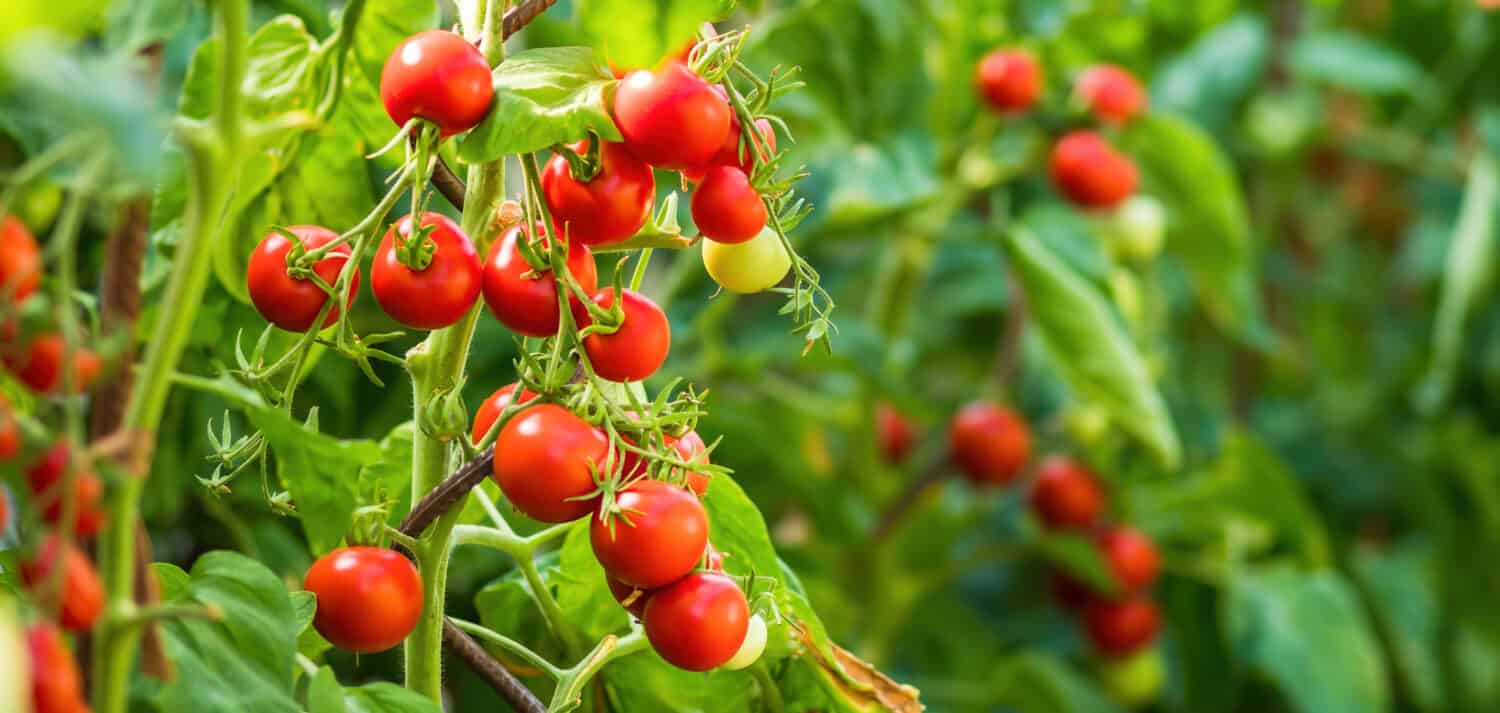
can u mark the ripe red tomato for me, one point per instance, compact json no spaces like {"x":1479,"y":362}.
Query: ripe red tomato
{"x":990,"y":444}
{"x":80,"y":598}
{"x":438,"y":76}
{"x":1066,"y":494}
{"x":44,"y":479}
{"x":726,"y":207}
{"x":1123,"y":627}
{"x":699,"y":622}
{"x":441,"y":293}
{"x":1008,"y":79}
{"x":546,"y":459}
{"x":634,"y":600}
{"x":369,"y":598}
{"x":39,"y":365}
{"x":526,"y":301}
{"x":1131,"y":556}
{"x":489,"y":411}
{"x":56,"y":685}
{"x":608,"y":208}
{"x":293,"y":304}
{"x":10,"y":433}
{"x":659,"y":537}
{"x":1090,"y":172}
{"x":1111,"y":92}
{"x":638,"y":348}
{"x":4,"y":510}
{"x":895,"y":435}
{"x":671,"y":118}
{"x":732,"y":153}
{"x":20,"y":261}
{"x":691,"y":449}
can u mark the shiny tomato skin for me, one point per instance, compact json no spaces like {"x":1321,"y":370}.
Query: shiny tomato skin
{"x":45,"y":476}
{"x":369,"y":598}
{"x":82,"y":595}
{"x":440,"y":77}
{"x":606,"y":209}
{"x":545,"y":462}
{"x":1111,"y":92}
{"x":658,"y":538}
{"x":1131,"y":556}
{"x":1066,"y":495}
{"x":1090,"y":172}
{"x":526,"y":302}
{"x":293,"y":304}
{"x":10,"y":432}
{"x":989,"y":444}
{"x":895,"y":434}
{"x":441,"y":293}
{"x":56,"y":684}
{"x":39,"y":365}
{"x":671,"y":118}
{"x":1120,"y":628}
{"x":20,"y":261}
{"x":1009,"y":80}
{"x":726,"y":207}
{"x":489,"y":411}
{"x":638,"y":348}
{"x":699,"y":622}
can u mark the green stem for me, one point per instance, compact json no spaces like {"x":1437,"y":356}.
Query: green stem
{"x":436,"y":365}
{"x":770,"y":693}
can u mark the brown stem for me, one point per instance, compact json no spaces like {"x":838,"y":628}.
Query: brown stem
{"x":493,"y":672}
{"x":902,"y":506}
{"x":448,"y":493}
{"x":522,"y":15}
{"x":449,"y":184}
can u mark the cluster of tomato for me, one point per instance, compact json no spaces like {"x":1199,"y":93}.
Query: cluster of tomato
{"x":69,"y":497}
{"x":1084,"y":166}
{"x":650,"y":536}
{"x":991,"y":446}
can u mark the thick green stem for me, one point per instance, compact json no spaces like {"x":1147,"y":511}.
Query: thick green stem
{"x":114,"y":656}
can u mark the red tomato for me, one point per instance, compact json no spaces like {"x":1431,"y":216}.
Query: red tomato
{"x":990,"y":444}
{"x":698,"y":622}
{"x":1090,"y":172}
{"x":10,"y":433}
{"x":44,"y":479}
{"x":293,"y":304}
{"x":671,"y":118}
{"x":657,"y":539}
{"x":4,"y":509}
{"x":489,"y":411}
{"x":39,"y":365}
{"x":526,"y":301}
{"x":691,"y":449}
{"x":438,"y":76}
{"x":369,"y":598}
{"x":895,"y":435}
{"x":80,"y":598}
{"x":1008,"y":79}
{"x":1111,"y":92}
{"x":726,"y":207}
{"x":441,"y":293}
{"x":1123,"y":627}
{"x":1131,"y":556}
{"x":20,"y":261}
{"x":733,"y":154}
{"x":1066,"y":494}
{"x":546,"y":459}
{"x":608,"y":208}
{"x":634,"y":600}
{"x":638,"y":348}
{"x":56,"y":685}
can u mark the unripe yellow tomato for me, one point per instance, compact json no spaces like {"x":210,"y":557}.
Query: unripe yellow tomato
{"x":1136,"y":680}
{"x":754,"y":265}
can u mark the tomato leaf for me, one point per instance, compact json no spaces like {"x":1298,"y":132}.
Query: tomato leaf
{"x":543,"y":97}
{"x":1090,"y":348}
{"x":1038,"y":682}
{"x":638,"y":33}
{"x":325,"y":695}
{"x":1344,"y":59}
{"x":319,"y":470}
{"x":1208,"y":79}
{"x":1209,"y":228}
{"x":1402,"y":584}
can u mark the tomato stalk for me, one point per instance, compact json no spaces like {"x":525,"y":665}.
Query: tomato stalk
{"x":220,"y":144}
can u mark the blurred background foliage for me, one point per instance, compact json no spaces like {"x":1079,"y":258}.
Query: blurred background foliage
{"x":1324,"y":478}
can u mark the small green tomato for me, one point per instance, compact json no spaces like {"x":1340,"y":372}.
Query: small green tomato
{"x":754,"y":265}
{"x":1138,"y":229}
{"x":1134,"y":681}
{"x":1087,"y":424}
{"x":754,"y":646}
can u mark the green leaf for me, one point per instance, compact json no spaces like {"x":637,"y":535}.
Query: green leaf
{"x":305,"y":604}
{"x":1038,"y":683}
{"x":1308,"y":635}
{"x":638,"y":33}
{"x":1209,"y":79}
{"x":325,"y":695}
{"x":15,"y":686}
{"x":1209,"y":228}
{"x":321,"y":473}
{"x":1347,"y":60}
{"x":543,"y":97}
{"x":1402,"y":585}
{"x":1090,"y":348}
{"x":243,"y":661}
{"x":1079,"y":556}
{"x":865,"y":182}
{"x":134,"y":25}
{"x":1471,"y":257}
